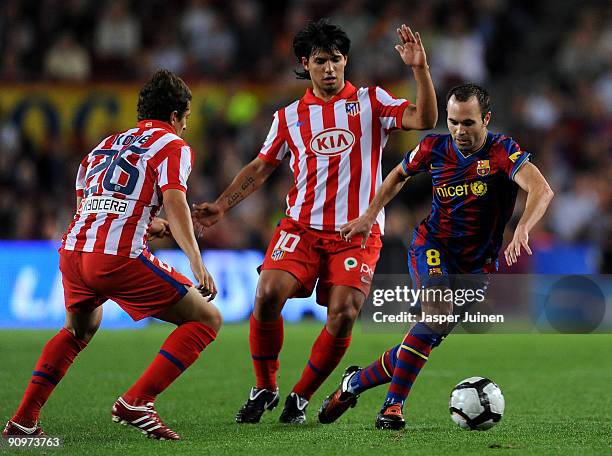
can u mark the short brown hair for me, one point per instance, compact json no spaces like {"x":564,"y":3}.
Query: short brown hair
{"x":464,"y":92}
{"x":161,"y":95}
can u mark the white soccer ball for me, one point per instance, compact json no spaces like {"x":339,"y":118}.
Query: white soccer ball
{"x":476,"y":403}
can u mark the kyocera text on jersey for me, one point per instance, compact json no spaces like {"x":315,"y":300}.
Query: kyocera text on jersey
{"x":108,"y":204}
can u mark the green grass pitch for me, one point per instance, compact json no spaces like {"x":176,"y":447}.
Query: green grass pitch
{"x":558,"y":391}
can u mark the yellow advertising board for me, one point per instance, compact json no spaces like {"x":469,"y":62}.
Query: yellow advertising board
{"x":90,"y":112}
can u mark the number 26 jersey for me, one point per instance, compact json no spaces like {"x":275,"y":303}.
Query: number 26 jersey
{"x":121,"y":183}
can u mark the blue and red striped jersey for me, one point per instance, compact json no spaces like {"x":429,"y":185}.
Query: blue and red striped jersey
{"x":473,"y":196}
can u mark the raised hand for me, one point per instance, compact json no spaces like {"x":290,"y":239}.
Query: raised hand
{"x":359,"y":226}
{"x":411,"y":48}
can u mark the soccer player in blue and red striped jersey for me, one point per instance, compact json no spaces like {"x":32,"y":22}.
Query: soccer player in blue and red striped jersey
{"x":476,"y":175}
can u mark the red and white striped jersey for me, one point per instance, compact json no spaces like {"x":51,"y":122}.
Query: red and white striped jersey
{"x":121,"y":182}
{"x":335,"y":150}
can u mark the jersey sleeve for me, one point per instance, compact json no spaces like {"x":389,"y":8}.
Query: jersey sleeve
{"x":174,"y":169}
{"x":80,"y":177}
{"x":418,"y":159}
{"x":274,"y":147}
{"x":389,"y":109}
{"x":512,"y":158}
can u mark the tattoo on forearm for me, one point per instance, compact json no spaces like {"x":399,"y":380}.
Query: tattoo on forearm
{"x":248,"y":182}
{"x":236,"y":197}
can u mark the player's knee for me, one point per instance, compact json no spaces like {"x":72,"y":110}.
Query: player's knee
{"x":269,"y":292}
{"x":85,"y":334}
{"x":344,"y":315}
{"x":211,"y":316}
{"x":269,"y":301}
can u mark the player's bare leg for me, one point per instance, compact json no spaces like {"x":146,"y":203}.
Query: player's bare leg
{"x":84,"y":325}
{"x":193,"y":307}
{"x":198,"y":322}
{"x":56,"y":357}
{"x":273,"y":289}
{"x":343,"y":309}
{"x":266,"y":340}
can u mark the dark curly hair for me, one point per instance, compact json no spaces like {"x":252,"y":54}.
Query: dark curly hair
{"x":164,"y":93}
{"x":319,"y":36}
{"x":464,"y":92}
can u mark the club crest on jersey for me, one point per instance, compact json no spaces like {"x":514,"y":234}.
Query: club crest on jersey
{"x":483,"y":167}
{"x":277,"y":254}
{"x":332,"y":141}
{"x":435,"y":272}
{"x":352,"y":108}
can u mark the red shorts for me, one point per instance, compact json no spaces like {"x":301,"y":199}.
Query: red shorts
{"x":309,"y":254}
{"x":142,"y":286}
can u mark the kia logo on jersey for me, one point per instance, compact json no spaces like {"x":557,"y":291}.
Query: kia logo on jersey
{"x":332,"y":141}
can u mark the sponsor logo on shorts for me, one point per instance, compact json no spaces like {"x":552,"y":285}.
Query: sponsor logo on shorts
{"x":277,"y":254}
{"x":350,"y":263}
{"x":366,"y":269}
{"x":367,"y":273}
{"x":106,"y":204}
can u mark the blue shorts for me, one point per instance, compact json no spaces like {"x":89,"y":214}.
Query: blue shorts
{"x":431,"y":265}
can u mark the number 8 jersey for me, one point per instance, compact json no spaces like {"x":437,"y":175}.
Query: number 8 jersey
{"x":121,"y":182}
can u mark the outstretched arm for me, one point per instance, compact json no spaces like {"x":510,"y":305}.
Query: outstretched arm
{"x":249,"y":179}
{"x":539,"y":195}
{"x":362,"y":225}
{"x":424,"y":114}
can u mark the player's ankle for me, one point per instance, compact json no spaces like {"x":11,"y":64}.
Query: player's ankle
{"x":352,"y":385}
{"x":134,"y":399}
{"x":25,"y":422}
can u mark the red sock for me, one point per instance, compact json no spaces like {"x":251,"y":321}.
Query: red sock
{"x":266,"y":341}
{"x":325,"y":356}
{"x":55,"y":359}
{"x":179,"y":351}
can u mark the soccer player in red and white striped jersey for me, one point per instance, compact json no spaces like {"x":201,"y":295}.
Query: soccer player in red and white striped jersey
{"x":333,"y":137}
{"x":121,"y":186}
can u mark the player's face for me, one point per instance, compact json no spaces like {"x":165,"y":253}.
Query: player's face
{"x":326,"y":71}
{"x":466,"y":124}
{"x":180,"y":123}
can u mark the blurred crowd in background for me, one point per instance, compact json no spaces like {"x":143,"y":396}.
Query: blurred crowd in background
{"x":547,"y":64}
